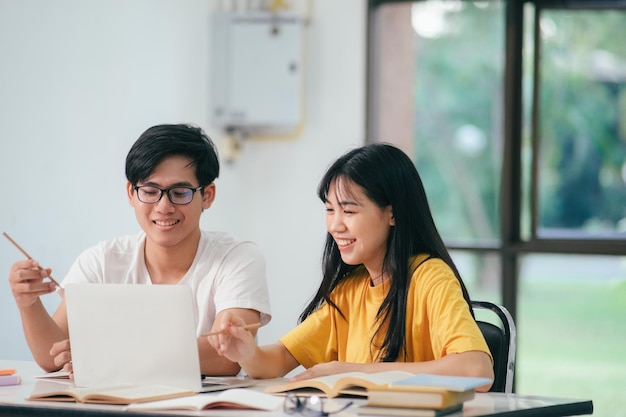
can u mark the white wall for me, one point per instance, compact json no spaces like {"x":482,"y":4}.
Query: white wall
{"x":80,"y":81}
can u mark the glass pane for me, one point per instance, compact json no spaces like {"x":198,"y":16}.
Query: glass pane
{"x":582,"y":126}
{"x":481,"y":274}
{"x":526,"y":157}
{"x":437,"y":76}
{"x":459,"y":66}
{"x":571,"y":337}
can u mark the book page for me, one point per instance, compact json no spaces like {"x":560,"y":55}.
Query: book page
{"x":55,"y":375}
{"x":133,"y":394}
{"x":236,"y":398}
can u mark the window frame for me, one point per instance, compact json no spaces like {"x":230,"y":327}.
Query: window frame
{"x":513,"y":245}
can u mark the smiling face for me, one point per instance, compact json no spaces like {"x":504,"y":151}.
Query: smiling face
{"x":359,"y":226}
{"x":167,"y":224}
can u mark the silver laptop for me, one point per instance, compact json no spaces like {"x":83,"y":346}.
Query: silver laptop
{"x":137,"y":334}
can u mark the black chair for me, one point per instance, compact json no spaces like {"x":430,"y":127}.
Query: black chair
{"x":502,"y":340}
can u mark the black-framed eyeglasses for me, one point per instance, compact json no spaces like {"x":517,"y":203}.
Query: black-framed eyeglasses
{"x":150,"y":194}
{"x":310,"y":406}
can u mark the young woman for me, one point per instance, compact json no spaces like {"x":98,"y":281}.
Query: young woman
{"x":391,"y":297}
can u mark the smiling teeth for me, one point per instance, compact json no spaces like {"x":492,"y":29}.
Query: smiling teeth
{"x":168,"y":223}
{"x":344,"y":242}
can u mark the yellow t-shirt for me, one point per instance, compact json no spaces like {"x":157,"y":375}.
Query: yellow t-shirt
{"x":438,"y":320}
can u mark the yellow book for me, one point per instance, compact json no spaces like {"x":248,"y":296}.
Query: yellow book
{"x":418,"y":399}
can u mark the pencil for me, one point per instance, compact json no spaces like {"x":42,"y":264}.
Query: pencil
{"x":28,"y":256}
{"x":246,"y":327}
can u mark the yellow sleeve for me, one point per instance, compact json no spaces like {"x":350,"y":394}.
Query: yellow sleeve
{"x":445,"y":323}
{"x":314,"y":340}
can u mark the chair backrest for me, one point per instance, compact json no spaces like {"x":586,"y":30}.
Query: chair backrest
{"x":502,"y":342}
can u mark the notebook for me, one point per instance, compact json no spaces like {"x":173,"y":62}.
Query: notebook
{"x":137,"y":334}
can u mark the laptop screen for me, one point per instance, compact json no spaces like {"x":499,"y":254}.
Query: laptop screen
{"x":137,"y":334}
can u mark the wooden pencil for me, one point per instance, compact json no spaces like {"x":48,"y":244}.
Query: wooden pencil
{"x":246,"y":327}
{"x":28,"y":256}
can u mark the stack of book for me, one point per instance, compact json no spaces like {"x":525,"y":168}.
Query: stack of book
{"x":8,"y":377}
{"x":422,"y":395}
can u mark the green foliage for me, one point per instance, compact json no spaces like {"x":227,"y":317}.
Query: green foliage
{"x":582,"y":154}
{"x":458,"y":82}
{"x":571,"y":341}
{"x":570,"y":327}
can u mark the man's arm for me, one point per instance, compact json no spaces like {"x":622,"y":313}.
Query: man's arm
{"x":210,"y":362}
{"x":40,"y":329}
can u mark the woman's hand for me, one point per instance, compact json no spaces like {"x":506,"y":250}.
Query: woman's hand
{"x":232,"y":341}
{"x":329,"y":368}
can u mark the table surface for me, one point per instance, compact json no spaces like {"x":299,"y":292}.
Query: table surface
{"x":12,"y":403}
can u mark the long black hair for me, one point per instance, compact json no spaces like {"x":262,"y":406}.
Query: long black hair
{"x":388,"y":177}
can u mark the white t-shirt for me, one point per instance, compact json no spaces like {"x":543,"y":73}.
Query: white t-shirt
{"x":224,"y":274}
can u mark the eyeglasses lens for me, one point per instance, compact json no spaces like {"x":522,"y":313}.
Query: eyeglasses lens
{"x":312,"y":406}
{"x":177,"y":195}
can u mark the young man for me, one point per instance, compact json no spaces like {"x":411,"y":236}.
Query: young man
{"x":170,"y":171}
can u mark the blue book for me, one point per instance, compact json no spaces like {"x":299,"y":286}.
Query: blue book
{"x":443,"y":382}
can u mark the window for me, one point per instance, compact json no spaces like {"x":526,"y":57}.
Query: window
{"x":440,"y":98}
{"x":515,"y":115}
{"x":581,"y":128}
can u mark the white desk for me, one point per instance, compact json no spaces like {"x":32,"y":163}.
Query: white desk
{"x":12,"y":403}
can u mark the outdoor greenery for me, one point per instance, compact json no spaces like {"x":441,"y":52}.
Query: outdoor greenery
{"x":582,"y":108}
{"x":458,"y":113}
{"x":571,"y":311}
{"x":572,"y":341}
{"x":570,"y":326}
{"x":583,"y":146}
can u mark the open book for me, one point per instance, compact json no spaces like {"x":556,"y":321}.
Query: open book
{"x":235,"y":398}
{"x":349,"y":383}
{"x":46,"y":390}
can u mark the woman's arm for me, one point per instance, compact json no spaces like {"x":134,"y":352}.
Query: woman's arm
{"x":269,"y":361}
{"x":238,"y":345}
{"x":211,"y":363}
{"x":473,"y":364}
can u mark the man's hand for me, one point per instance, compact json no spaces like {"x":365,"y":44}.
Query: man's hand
{"x":63,"y":356}
{"x":26,"y":280}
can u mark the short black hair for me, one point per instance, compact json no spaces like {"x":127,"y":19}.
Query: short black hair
{"x":161,"y":141}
